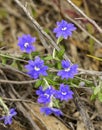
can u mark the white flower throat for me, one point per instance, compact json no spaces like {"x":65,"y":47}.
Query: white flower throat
{"x":46,"y":95}
{"x":67,"y":69}
{"x":64,"y":28}
{"x":64,"y":93}
{"x":26,"y":44}
{"x":36,"y":68}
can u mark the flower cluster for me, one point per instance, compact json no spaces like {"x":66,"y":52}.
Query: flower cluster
{"x":46,"y":97}
{"x":36,"y":68}
{"x":8,"y":118}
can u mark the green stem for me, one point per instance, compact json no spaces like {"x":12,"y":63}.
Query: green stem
{"x":54,"y":53}
{"x":51,"y":102}
{"x":30,"y":56}
{"x":54,"y":50}
{"x":47,"y":84}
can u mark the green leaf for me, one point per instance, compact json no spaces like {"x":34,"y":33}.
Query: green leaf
{"x":93,"y":97}
{"x":25,"y":56}
{"x":34,"y":13}
{"x":47,"y":30}
{"x":35,"y":53}
{"x":57,"y":59}
{"x":49,"y":57}
{"x":38,"y":83}
{"x":100,"y":96}
{"x":20,"y":66}
{"x":97,"y":90}
{"x":59,"y":40}
{"x":14,"y":64}
{"x":56,"y":103}
{"x":50,"y":81}
{"x":60,"y":53}
{"x":59,"y":66}
{"x":4,"y":60}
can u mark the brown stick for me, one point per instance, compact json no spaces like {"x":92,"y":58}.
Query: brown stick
{"x":84,"y":115}
{"x":83,"y":14}
{"x":17,"y":82}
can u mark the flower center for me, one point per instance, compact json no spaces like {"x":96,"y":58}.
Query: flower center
{"x":26,"y":44}
{"x":64,"y":28}
{"x":36,"y":68}
{"x":46,"y":95}
{"x":63,"y":93}
{"x":67,"y":69}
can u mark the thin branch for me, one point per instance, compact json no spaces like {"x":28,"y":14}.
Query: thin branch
{"x":11,"y":57}
{"x":12,"y":69}
{"x":17,"y":82}
{"x":83,"y":112}
{"x":36,"y":25}
{"x":83,"y":14}
{"x":88,"y":34}
{"x":25,"y":106}
{"x":89,"y":72}
{"x":20,"y":100}
{"x":20,"y":106}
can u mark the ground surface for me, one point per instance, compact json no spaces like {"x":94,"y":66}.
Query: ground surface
{"x":81,"y":49}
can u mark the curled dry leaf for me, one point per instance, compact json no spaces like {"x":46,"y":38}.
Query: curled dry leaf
{"x":50,"y":122}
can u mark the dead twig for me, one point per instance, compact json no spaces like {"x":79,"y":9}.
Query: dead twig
{"x":81,"y":28}
{"x":9,"y":68}
{"x":12,"y":57}
{"x":19,"y":100}
{"x":17,"y":82}
{"x":14,"y":94}
{"x":83,"y":14}
{"x":36,"y":25}
{"x":20,"y":106}
{"x":83,"y":113}
{"x":89,"y":72}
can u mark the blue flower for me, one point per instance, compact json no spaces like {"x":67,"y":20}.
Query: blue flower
{"x":50,"y":110}
{"x":40,"y":91}
{"x":26,"y":43}
{"x":68,"y":70}
{"x":45,"y":95}
{"x":64,"y":93}
{"x":36,"y":68}
{"x":8,"y":118}
{"x":64,"y":29}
